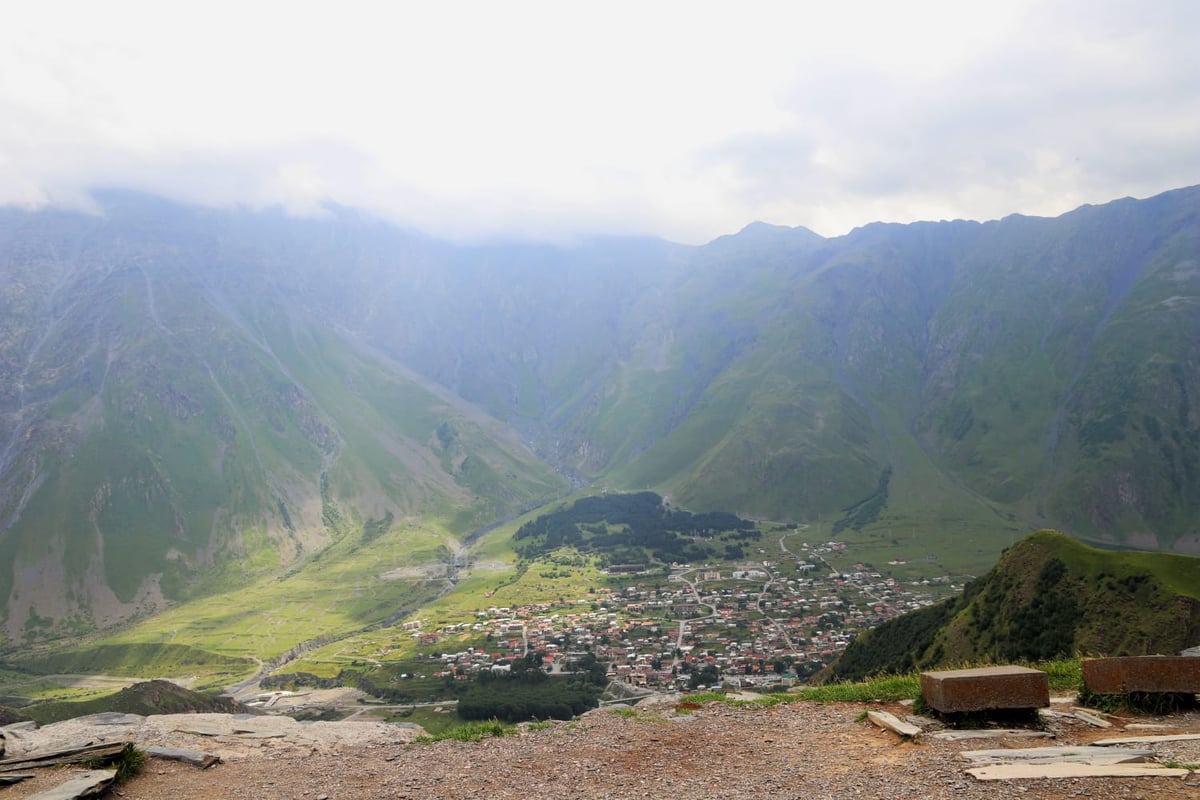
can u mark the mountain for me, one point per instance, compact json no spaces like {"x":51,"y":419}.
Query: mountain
{"x":171,"y":413}
{"x":194,"y":398}
{"x":1049,"y":596}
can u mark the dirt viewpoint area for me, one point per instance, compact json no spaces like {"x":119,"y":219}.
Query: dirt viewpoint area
{"x":798,"y":750}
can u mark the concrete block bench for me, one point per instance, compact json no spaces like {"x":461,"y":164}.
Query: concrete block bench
{"x":1178,"y":674}
{"x":986,"y":689}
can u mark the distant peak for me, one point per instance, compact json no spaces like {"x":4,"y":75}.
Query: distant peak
{"x":768,"y":234}
{"x":759,"y":228}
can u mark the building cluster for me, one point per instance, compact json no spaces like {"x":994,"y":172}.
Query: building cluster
{"x":755,"y":624}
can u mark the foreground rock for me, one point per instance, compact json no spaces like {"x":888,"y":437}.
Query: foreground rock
{"x":986,"y":689}
{"x":717,"y":751}
{"x":226,"y":734}
{"x":1152,"y":674}
{"x":81,"y":751}
{"x":170,"y":738}
{"x":667,"y":750}
{"x":85,"y":784}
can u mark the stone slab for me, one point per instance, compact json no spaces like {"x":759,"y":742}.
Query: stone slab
{"x":15,"y":777}
{"x":1008,"y":772}
{"x":992,"y":733}
{"x":1056,"y":755}
{"x":986,"y":689}
{"x":1177,"y":737}
{"x":86,"y":784}
{"x":1092,"y":719}
{"x":77,"y":753}
{"x":197,"y":758}
{"x":1142,"y":674}
{"x":893,"y":723}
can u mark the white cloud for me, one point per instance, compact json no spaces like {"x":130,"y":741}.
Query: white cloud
{"x":545,"y":119}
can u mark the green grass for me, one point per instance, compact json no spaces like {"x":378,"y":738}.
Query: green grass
{"x":470,"y":732}
{"x":434,"y":722}
{"x":144,"y":660}
{"x":1065,"y":675}
{"x":341,"y":592}
{"x":52,"y":691}
{"x":128,"y":763}
{"x":229,"y":443}
{"x":901,"y":687}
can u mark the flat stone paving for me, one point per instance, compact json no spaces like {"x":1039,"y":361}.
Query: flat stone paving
{"x":1142,"y":674}
{"x":986,"y":689}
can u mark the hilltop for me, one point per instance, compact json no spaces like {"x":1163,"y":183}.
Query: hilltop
{"x":147,"y":697}
{"x":1048,"y":596}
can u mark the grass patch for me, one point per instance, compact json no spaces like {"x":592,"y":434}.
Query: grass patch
{"x":433,"y":721}
{"x":136,"y":660}
{"x":470,"y":732}
{"x":1064,"y":674}
{"x":707,"y":697}
{"x":891,"y":687}
{"x":128,"y":763}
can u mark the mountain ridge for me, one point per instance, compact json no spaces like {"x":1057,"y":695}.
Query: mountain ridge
{"x":208,"y":395}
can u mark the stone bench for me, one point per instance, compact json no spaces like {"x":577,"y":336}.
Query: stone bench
{"x":1177,"y":674}
{"x":986,"y":689}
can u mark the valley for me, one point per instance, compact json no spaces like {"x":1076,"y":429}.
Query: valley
{"x":242,"y":441}
{"x":773,"y":619}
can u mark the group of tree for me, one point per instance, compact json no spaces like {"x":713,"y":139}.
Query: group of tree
{"x":628,"y":527}
{"x":526,"y":692}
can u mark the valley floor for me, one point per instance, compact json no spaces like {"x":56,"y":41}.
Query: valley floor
{"x":797,"y":750}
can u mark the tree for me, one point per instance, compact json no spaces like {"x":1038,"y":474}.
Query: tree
{"x":705,"y":676}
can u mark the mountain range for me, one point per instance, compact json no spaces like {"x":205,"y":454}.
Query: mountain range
{"x":194,"y":398}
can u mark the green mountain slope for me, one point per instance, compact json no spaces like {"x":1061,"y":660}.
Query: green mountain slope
{"x":1001,"y":376}
{"x":174,"y":424}
{"x":1048,"y":596}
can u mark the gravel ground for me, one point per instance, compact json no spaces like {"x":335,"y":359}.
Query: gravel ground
{"x":799,"y":750}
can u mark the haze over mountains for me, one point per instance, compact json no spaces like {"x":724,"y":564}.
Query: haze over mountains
{"x":190,"y":398}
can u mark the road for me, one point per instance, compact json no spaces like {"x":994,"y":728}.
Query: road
{"x":683,"y":623}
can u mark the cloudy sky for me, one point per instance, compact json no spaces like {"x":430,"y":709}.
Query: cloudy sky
{"x":680,"y":119}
